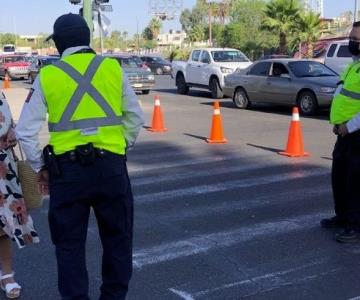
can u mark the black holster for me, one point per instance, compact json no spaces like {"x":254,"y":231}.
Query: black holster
{"x":51,"y":162}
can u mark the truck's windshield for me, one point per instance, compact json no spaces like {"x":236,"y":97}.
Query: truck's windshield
{"x":229,"y":56}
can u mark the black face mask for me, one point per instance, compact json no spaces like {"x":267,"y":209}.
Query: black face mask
{"x":354,"y":48}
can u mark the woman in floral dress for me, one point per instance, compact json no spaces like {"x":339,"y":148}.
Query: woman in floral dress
{"x":15,"y":224}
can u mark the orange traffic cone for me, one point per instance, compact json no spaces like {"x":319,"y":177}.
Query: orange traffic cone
{"x":295,"y":145}
{"x":6,"y":83}
{"x":217,"y":133}
{"x":157,"y":121}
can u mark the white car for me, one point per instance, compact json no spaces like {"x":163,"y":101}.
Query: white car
{"x":338,"y":56}
{"x":207,"y":68}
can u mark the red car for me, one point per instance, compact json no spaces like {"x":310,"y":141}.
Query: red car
{"x":14,"y":66}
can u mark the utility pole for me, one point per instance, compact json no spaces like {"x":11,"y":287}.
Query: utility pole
{"x":87,"y":13}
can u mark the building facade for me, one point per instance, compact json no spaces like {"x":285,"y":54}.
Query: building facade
{"x":315,"y":5}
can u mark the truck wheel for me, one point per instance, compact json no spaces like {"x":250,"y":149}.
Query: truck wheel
{"x":182,"y":88}
{"x":240,"y":99}
{"x":307,"y":103}
{"x":216,"y":92}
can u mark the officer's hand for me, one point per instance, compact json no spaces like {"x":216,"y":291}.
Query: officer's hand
{"x":342,"y":130}
{"x":43,"y":182}
{"x":336,"y":129}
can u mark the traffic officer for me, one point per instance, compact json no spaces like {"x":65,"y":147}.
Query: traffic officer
{"x":345,"y":115}
{"x":93,"y":118}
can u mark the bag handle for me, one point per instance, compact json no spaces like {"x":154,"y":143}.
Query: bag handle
{"x":16,"y":158}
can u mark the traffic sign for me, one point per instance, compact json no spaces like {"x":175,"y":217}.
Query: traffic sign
{"x":102,"y":7}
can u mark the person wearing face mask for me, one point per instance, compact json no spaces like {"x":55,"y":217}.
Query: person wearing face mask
{"x":345,"y":116}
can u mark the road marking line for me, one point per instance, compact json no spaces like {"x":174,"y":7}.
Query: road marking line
{"x":138,"y":167}
{"x":233,"y":206}
{"x":192,"y":174}
{"x":268,"y":276}
{"x":229,"y":185}
{"x":206,"y":242}
{"x":182,"y":294}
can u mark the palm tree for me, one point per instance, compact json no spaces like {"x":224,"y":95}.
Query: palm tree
{"x":309,"y":31}
{"x":155,"y":27}
{"x":282,"y":17}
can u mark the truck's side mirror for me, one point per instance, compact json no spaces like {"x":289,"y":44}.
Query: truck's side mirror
{"x":205,"y":60}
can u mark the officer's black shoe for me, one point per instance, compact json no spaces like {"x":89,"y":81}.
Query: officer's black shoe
{"x":333,"y":222}
{"x":347,"y":236}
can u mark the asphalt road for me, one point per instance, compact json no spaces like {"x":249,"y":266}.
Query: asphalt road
{"x":220,"y":222}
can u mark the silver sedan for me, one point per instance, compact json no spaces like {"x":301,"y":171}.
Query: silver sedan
{"x":305,"y":83}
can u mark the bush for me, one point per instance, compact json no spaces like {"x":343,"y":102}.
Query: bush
{"x":179,"y":54}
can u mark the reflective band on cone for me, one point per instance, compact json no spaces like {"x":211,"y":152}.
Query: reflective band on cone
{"x":295,"y":144}
{"x":296,"y":117}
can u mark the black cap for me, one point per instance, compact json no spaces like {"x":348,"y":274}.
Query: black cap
{"x":68,"y":25}
{"x":70,"y":30}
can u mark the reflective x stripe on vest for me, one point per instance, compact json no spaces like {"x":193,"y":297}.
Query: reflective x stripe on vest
{"x":84,"y":86}
{"x":350,"y":94}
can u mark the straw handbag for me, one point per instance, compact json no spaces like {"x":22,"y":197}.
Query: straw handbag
{"x":28,"y":182}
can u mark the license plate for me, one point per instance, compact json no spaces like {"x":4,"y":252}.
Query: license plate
{"x":138,"y":85}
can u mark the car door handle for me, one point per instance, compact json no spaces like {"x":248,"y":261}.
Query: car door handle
{"x":245,"y":81}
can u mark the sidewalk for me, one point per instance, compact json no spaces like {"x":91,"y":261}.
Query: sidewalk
{"x":16,"y":98}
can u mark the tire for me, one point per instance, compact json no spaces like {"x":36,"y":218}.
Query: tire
{"x":241,"y":99}
{"x":214,"y":87}
{"x":146,"y":92}
{"x":182,"y":88}
{"x":159,"y":71}
{"x":307,"y":103}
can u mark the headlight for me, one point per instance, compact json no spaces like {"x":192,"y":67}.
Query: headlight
{"x":167,"y":67}
{"x":326,"y":89}
{"x":151,"y":77}
{"x":226,"y":70}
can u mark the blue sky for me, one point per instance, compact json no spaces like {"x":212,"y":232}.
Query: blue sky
{"x":35,"y":16}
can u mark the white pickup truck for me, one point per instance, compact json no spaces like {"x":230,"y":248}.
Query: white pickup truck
{"x":207,"y":68}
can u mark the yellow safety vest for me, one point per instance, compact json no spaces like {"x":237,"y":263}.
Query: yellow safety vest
{"x":83,"y":93}
{"x":346,"y":104}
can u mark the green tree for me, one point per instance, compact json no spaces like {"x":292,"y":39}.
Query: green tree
{"x":309,"y":31}
{"x":244,"y":30}
{"x":282,"y":16}
{"x":7,"y":38}
{"x":148,"y":34}
{"x":155,"y":26}
{"x":197,"y":34}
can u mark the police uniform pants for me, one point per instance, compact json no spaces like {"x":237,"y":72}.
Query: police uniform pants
{"x":346,"y":178}
{"x":105,"y":187}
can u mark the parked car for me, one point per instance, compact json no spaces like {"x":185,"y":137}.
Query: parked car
{"x":14,"y":66}
{"x":207,"y":68}
{"x":140,"y":63}
{"x":158,"y":65}
{"x":306,"y":83}
{"x":337,"y":56}
{"x":39,"y":62}
{"x":141,"y":79}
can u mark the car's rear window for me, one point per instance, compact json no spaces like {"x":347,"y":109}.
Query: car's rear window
{"x":310,"y":69}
